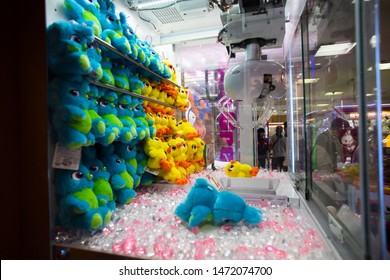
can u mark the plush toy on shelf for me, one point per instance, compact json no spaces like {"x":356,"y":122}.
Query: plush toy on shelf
{"x":125,"y":114}
{"x":130,"y":35}
{"x":66,"y":50}
{"x":237,"y":169}
{"x":107,"y":110}
{"x":112,"y":30}
{"x":128,"y":153}
{"x":121,"y":182}
{"x":205,"y":204}
{"x":78,"y":206}
{"x":172,"y":175}
{"x":70,"y":118}
{"x":121,"y":74}
{"x":186,"y":130}
{"x":154,"y":150}
{"x":98,"y":125}
{"x":107,"y":77}
{"x":101,"y":177}
{"x":84,"y":12}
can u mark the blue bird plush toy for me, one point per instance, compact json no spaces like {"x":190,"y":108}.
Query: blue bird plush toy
{"x":107,"y":77}
{"x":78,"y":206}
{"x":232,"y":208}
{"x":198,"y":204}
{"x":101,"y":177}
{"x":112,"y":29}
{"x":204,"y":203}
{"x":67,"y":50}
{"x":121,"y":74}
{"x":121,"y":182}
{"x":125,"y":114}
{"x":70,"y":117}
{"x":98,"y":128}
{"x":130,"y":35}
{"x":107,"y":110}
{"x":128,"y":153}
{"x":84,"y":12}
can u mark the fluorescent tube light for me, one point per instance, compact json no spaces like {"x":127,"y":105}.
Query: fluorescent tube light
{"x":322,"y":105}
{"x":334,"y":49}
{"x":382,"y":66}
{"x":308,"y":81}
{"x":154,"y":4}
{"x":334,"y":93}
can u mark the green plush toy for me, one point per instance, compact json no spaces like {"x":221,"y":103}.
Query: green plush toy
{"x":67,"y":51}
{"x":78,"y":205}
{"x":101,"y":177}
{"x":84,"y":12}
{"x":121,"y":182}
{"x":112,"y":29}
{"x":69,"y":113}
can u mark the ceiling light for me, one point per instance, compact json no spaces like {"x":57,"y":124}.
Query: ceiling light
{"x":334,"y":49}
{"x":154,"y":4}
{"x":334,"y":93}
{"x":308,"y":81}
{"x":322,"y":105}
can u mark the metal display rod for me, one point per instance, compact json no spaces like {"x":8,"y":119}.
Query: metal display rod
{"x":114,"y":88}
{"x":110,"y":47}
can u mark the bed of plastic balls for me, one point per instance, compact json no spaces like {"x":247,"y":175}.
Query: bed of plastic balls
{"x":148,"y":229}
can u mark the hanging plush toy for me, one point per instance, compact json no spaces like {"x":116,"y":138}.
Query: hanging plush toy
{"x":154,"y":150}
{"x":121,"y":182}
{"x":107,"y":77}
{"x":78,"y":206}
{"x":130,"y":35}
{"x":101,"y":177}
{"x":107,"y":110}
{"x":237,"y":169}
{"x":125,"y":114}
{"x":70,"y":118}
{"x":204,"y":203}
{"x":128,"y":153}
{"x":85,"y":13}
{"x":66,"y":50}
{"x":112,"y":29}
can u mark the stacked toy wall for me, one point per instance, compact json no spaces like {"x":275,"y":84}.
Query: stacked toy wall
{"x":103,"y":114}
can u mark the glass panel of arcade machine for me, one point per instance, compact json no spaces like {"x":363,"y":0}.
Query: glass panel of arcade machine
{"x":331,"y":120}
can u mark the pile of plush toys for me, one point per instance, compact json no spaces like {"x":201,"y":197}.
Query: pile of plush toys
{"x":120,"y":135}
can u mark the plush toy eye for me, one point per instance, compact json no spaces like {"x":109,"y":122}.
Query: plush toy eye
{"x":231,"y":167}
{"x":142,"y":44}
{"x":184,"y":145}
{"x":121,"y":106}
{"x":75,"y":38}
{"x":226,"y":220}
{"x":130,"y":31}
{"x":94,"y":168}
{"x":110,"y":18}
{"x":103,"y":102}
{"x":90,"y":46}
{"x":74,"y":92}
{"x":173,"y":148}
{"x":193,"y":146}
{"x":77,"y":175}
{"x":128,"y":148}
{"x":153,"y":53}
{"x":118,"y":160}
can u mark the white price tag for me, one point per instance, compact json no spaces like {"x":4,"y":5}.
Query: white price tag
{"x":66,"y":158}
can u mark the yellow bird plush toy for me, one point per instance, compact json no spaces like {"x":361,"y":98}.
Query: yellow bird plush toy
{"x":237,"y":169}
